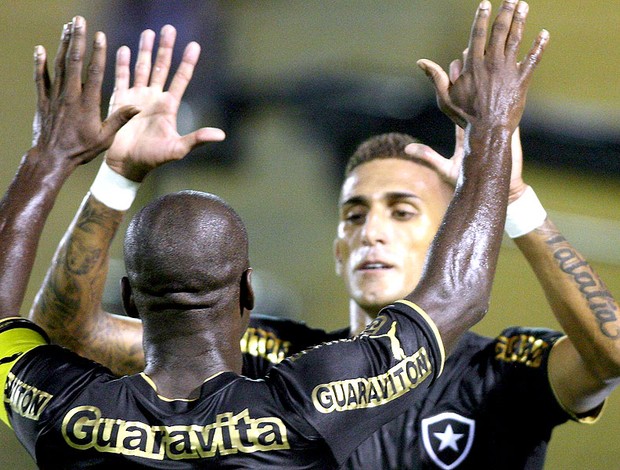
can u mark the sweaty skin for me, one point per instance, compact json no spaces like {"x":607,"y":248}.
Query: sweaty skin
{"x":194,"y":314}
{"x":584,"y":368}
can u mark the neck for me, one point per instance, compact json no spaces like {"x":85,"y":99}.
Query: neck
{"x":179,"y":366}
{"x":359,"y":317}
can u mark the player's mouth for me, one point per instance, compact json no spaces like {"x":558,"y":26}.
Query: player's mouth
{"x":374,"y":266}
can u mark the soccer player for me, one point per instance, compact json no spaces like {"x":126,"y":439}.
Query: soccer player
{"x":190,"y":407}
{"x":462,"y":419}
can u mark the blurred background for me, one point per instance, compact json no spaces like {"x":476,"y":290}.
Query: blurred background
{"x":297,"y":85}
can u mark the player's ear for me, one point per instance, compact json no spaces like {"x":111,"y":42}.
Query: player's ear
{"x":247,"y":291}
{"x":337,"y":248}
{"x":127,"y":298}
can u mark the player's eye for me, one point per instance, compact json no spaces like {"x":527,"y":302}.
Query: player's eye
{"x":355,"y":215}
{"x":404,"y":212}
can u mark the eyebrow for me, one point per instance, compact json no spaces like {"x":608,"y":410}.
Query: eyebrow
{"x":391,"y":196}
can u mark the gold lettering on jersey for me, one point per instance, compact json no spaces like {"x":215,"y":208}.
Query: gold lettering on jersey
{"x":522,"y":348}
{"x":84,"y":428}
{"x":24,"y":399}
{"x":368,"y":392}
{"x":375,"y":326}
{"x":261,"y":343}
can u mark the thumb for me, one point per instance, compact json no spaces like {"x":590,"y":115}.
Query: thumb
{"x":195,"y":139}
{"x":437,"y":75}
{"x":205,"y":134}
{"x":118,"y":119}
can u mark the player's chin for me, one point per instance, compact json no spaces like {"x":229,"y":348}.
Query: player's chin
{"x":375,"y":299}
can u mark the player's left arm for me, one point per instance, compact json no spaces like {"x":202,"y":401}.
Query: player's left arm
{"x":584,"y":368}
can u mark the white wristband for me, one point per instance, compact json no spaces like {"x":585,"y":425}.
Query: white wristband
{"x":525,"y":214}
{"x":113,"y":189}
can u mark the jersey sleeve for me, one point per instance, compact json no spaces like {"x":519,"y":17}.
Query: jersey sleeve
{"x":17,"y":337}
{"x":588,"y":417}
{"x":347,"y":389}
{"x":521,"y":360}
{"x":40,"y":380}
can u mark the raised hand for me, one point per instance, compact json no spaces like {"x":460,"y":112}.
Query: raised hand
{"x":152,"y":138}
{"x":67,"y":132}
{"x":492,"y":85}
{"x":67,"y":121}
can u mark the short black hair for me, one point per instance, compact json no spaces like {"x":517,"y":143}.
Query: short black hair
{"x":390,"y":145}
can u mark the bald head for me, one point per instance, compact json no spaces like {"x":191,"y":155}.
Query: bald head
{"x":186,"y":250}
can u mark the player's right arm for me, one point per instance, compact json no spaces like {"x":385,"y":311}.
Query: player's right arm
{"x":68,"y":304}
{"x":346,"y":390}
{"x":67,"y":132}
{"x":486,"y":99}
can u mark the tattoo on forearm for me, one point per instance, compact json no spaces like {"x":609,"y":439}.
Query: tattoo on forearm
{"x":77,"y":270}
{"x":592,"y":288}
{"x":68,"y":305}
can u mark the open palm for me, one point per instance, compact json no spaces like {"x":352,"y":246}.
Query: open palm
{"x":152,"y":139}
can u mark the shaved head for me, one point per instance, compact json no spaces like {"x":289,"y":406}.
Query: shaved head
{"x":186,"y":250}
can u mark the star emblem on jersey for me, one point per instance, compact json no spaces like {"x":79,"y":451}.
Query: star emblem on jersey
{"x":448,"y":438}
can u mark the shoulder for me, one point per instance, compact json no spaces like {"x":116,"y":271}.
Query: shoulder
{"x":505,"y":375}
{"x":516,"y":350}
{"x":526,"y":345}
{"x":509,"y":339}
{"x":296,"y":333}
{"x":269,"y":339}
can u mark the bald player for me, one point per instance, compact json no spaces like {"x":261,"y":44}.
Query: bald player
{"x":410,"y":217}
{"x":190,"y":406}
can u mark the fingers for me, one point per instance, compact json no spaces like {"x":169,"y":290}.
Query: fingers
{"x":164,"y":56}
{"x":434,"y":160}
{"x":96,"y":68}
{"x":535,"y":55}
{"x":121,"y":69}
{"x":59,"y":61}
{"x":478,"y":36}
{"x":41,"y":77}
{"x":143,"y":61}
{"x":184,"y":73}
{"x":516,"y":30}
{"x":423,"y":152}
{"x":500,"y":29}
{"x":74,"y":59}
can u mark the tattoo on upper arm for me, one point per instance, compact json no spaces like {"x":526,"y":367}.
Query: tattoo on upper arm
{"x":593,"y":289}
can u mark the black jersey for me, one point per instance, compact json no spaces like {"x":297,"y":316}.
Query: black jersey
{"x":492,"y":407}
{"x":311,"y":411}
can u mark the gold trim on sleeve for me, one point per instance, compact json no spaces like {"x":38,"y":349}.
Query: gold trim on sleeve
{"x":588,"y":417}
{"x":433,"y":326}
